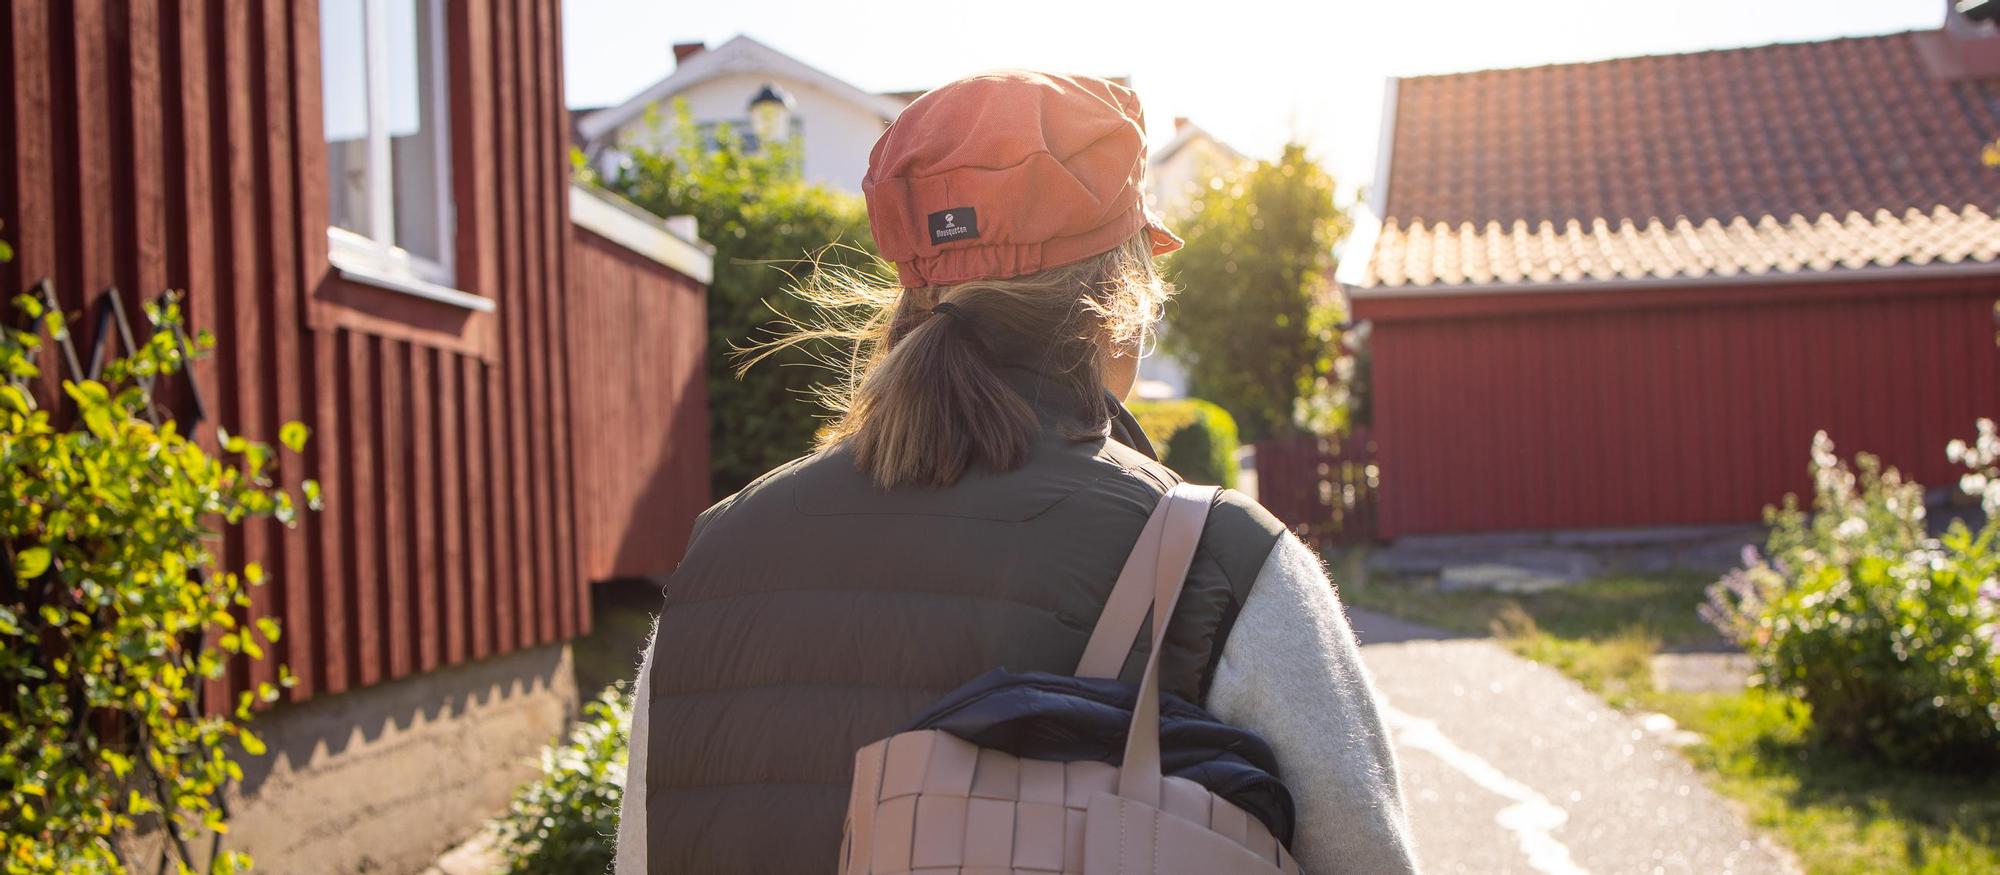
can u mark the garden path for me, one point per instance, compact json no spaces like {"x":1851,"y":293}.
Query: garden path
{"x":1509,"y":767}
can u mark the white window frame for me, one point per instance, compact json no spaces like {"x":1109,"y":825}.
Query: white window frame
{"x":371,"y":257}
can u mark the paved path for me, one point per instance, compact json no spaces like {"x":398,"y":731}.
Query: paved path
{"x":1512,"y":768}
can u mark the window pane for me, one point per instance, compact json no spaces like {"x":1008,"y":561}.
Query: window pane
{"x":343,"y":50}
{"x":415,"y":126}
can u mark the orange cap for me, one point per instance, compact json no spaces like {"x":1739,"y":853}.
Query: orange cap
{"x":1007,"y":173}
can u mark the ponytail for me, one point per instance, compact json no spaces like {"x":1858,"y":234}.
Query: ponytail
{"x":935,"y":406}
{"x":925,"y":401}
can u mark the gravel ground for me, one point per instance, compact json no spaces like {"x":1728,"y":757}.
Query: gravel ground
{"x":1509,"y":767}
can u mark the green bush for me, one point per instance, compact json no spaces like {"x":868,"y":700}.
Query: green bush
{"x":1195,"y":438}
{"x":566,"y":821}
{"x":767,"y":224}
{"x":1258,"y":325}
{"x":114,"y":612}
{"x":1889,"y":636}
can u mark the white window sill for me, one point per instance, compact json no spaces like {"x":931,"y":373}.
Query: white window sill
{"x":409,"y":285}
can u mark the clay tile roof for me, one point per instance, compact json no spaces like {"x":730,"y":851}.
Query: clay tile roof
{"x":1828,"y":156}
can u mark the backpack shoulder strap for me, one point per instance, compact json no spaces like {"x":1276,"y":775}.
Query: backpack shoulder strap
{"x":1131,"y":597}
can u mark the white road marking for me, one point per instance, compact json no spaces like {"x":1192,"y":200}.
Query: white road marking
{"x":1532,"y":818}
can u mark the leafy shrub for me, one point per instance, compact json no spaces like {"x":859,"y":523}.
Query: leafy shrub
{"x":1258,"y":323}
{"x":114,"y":613}
{"x":766,"y":223}
{"x":566,"y":821}
{"x":1889,"y":636}
{"x":1194,"y":437}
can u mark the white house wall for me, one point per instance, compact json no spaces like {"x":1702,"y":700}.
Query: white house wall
{"x":837,"y":134}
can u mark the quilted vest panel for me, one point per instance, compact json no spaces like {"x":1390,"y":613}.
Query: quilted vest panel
{"x":814,"y":614}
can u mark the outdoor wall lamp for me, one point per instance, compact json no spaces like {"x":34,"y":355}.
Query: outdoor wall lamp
{"x":771,"y":114}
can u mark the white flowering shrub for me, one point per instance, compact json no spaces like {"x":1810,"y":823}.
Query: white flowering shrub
{"x":1890,"y":637}
{"x":1982,"y":456}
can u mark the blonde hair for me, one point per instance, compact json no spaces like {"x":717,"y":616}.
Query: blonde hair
{"x":922,"y":399}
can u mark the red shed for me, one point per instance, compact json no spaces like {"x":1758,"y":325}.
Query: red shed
{"x":1627,"y":293}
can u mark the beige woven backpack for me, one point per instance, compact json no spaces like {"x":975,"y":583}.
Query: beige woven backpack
{"x":930,"y":803}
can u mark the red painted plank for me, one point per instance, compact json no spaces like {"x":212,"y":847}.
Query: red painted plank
{"x":553,"y":123}
{"x":235,"y":321}
{"x":476,"y":186}
{"x":425,"y":500}
{"x":398,"y":508}
{"x":328,"y":538}
{"x":192,"y":231}
{"x":533,"y":318}
{"x":30,"y":214}
{"x":360,"y":389}
{"x":84,"y":113}
{"x":328,"y":530}
{"x":517,"y":501}
{"x":451,"y":512}
{"x":491,"y":609}
{"x":137,"y":90}
{"x":282,"y":371}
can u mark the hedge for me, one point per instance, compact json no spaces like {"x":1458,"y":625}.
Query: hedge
{"x":1195,"y":438}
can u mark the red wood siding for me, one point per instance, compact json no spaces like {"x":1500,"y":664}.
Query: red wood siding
{"x":640,"y":409}
{"x":1664,"y":407}
{"x":178,"y":144}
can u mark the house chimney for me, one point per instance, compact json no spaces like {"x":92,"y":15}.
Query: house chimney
{"x":1180,"y":123}
{"x":1971,"y":18}
{"x":1967,"y":46}
{"x":684,"y":51}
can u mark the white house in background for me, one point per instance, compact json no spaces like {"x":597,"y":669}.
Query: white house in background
{"x":1175,"y":173}
{"x":1184,"y":165}
{"x":760,"y":92}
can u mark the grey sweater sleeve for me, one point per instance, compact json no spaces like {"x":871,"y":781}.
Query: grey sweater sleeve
{"x":631,"y":854}
{"x":1291,"y":672}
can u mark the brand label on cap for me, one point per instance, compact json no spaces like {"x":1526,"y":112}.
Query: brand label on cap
{"x":957,"y":223}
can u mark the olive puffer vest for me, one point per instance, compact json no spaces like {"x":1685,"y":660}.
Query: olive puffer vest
{"x":815,"y":613}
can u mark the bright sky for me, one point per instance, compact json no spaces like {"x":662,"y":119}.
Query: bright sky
{"x":1253,"y":72}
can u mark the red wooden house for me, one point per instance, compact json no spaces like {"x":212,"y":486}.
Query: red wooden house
{"x":368,"y":202}
{"x":1627,"y":293}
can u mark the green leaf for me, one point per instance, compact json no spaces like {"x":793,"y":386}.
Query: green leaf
{"x":252,"y":745}
{"x":30,"y":563}
{"x":88,"y":392}
{"x":12,"y":398}
{"x":269,"y":627}
{"x":99,"y":421}
{"x":293,"y":435}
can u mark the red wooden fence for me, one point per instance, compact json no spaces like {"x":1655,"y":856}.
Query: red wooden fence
{"x":1322,"y":488}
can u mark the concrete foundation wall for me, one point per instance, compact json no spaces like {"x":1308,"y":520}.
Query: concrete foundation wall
{"x":383,"y":779}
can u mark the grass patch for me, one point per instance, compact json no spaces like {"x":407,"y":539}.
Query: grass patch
{"x":1842,"y":815}
{"x":1663,"y":606}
